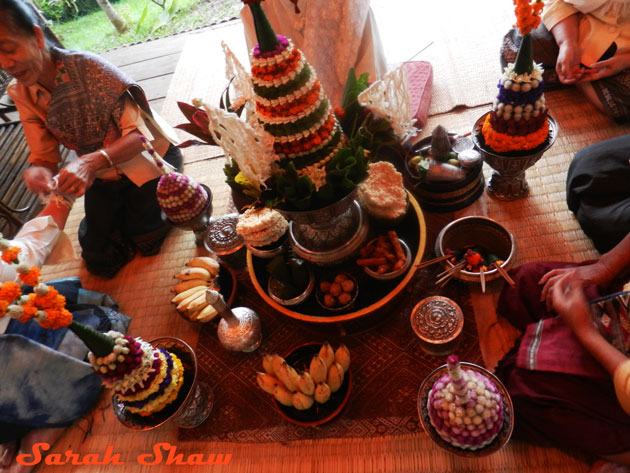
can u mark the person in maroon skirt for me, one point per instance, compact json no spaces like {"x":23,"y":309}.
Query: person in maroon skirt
{"x":569,"y":374}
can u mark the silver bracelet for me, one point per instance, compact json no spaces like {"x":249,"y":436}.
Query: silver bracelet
{"x":106,"y":156}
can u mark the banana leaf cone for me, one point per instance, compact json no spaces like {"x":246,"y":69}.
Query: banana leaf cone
{"x":525,"y":57}
{"x":98,"y":343}
{"x":267,"y":39}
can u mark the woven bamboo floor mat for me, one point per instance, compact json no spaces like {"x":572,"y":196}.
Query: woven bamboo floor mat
{"x":541,"y":223}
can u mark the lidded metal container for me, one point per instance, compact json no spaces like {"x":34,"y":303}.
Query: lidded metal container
{"x":438,"y":322}
{"x":221,"y":238}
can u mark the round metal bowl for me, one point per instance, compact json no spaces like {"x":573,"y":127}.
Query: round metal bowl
{"x":341,"y":249}
{"x":297,"y":299}
{"x":272,"y":250}
{"x":477,"y":231}
{"x":319,"y":295}
{"x":392,"y":274}
{"x":446,"y":196}
{"x":194,"y":401}
{"x":502,"y":437}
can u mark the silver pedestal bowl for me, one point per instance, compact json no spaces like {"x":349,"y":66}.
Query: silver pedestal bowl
{"x":508,"y":178}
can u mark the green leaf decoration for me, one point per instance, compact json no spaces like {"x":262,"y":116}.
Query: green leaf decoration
{"x":98,"y":343}
{"x":525,"y":57}
{"x":267,"y":39}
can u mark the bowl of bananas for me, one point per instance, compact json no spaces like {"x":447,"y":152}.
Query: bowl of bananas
{"x":311,"y":385}
{"x":201,"y":273}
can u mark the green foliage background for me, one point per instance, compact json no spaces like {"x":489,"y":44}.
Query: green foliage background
{"x":94,"y":32}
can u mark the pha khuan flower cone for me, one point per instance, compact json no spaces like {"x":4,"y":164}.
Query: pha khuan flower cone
{"x":265,"y":34}
{"x":525,"y":57}
{"x":98,"y":343}
{"x":292,"y":107}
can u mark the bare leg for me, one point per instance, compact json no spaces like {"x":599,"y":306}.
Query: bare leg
{"x":49,"y":436}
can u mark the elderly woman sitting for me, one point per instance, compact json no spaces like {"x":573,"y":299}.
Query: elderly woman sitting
{"x":86,"y":104}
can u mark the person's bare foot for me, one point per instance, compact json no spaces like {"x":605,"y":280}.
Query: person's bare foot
{"x":49,"y":436}
{"x":7,"y":454}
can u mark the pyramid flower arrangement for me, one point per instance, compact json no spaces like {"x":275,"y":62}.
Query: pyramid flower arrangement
{"x":290,"y":102}
{"x":144,"y":378}
{"x":518,"y":120}
{"x":311,"y":163}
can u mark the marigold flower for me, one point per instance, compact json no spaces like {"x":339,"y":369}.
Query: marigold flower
{"x":32,"y":277}
{"x":10,"y":291}
{"x":503,"y":143}
{"x":29,"y":310}
{"x":527,"y":15}
{"x":57,"y":318}
{"x":3,"y":307}
{"x":10,"y":255}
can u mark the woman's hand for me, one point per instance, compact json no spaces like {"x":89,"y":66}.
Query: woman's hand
{"x":568,"y":63}
{"x":38,"y":179}
{"x":596,"y":273}
{"x":570,"y":303}
{"x":607,"y":68}
{"x":77,"y":177}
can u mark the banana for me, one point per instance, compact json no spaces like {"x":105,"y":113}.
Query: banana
{"x":335,"y":377}
{"x":206,"y":314}
{"x":276,"y":362}
{"x":306,"y":383}
{"x":322,"y":393}
{"x":327,"y":354}
{"x":197,"y":305}
{"x":318,"y":369}
{"x":205,"y":262}
{"x":288,"y":376}
{"x":342,"y":356}
{"x":283,"y":395}
{"x":301,"y":401}
{"x":189,"y":283}
{"x":184,"y":305}
{"x":267,"y":382}
{"x":194,"y":273}
{"x":192,"y":315}
{"x":268,"y":364}
{"x":187,"y":293}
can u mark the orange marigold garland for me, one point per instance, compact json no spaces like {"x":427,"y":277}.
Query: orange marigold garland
{"x":31,"y":277}
{"x":527,"y":15}
{"x":503,"y":143}
{"x":10,"y":291}
{"x":45,"y":304}
{"x":10,"y":255}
